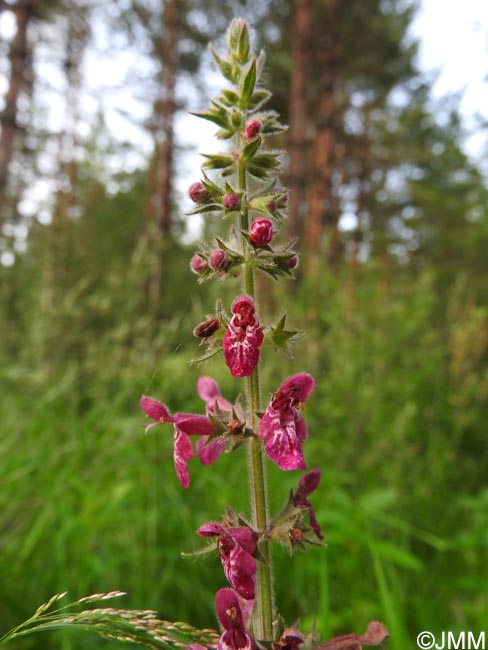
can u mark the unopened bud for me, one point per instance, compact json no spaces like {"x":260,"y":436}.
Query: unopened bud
{"x":230,"y":201}
{"x":292,"y":262}
{"x":261,"y":232}
{"x":198,"y":265}
{"x":197,"y":192}
{"x":206,"y":328}
{"x":253,"y":129}
{"x":219,"y":260}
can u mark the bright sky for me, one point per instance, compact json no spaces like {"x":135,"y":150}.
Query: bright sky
{"x":453,"y":38}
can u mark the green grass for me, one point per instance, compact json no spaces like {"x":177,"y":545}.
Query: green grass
{"x":88,"y":503}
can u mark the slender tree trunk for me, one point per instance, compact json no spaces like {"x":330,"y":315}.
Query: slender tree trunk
{"x":300,"y":39}
{"x":319,"y":195}
{"x":167,"y":111}
{"x":24,"y":12}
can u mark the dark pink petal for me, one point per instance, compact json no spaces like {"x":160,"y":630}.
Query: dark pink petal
{"x":183,"y":452}
{"x":208,"y":390}
{"x":307,"y":485}
{"x":240,"y":570}
{"x":154,"y":409}
{"x":298,"y":387}
{"x":241,"y":346}
{"x":282,"y":446}
{"x":211,"y":528}
{"x":229,"y":613}
{"x":208,"y":452}
{"x":193,"y":425}
{"x":245,"y":537}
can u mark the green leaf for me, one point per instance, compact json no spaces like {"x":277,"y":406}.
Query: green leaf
{"x":251,"y":149}
{"x":226,"y":68}
{"x":282,"y":337}
{"x":217,"y":161}
{"x":258,"y":98}
{"x":229,"y":97}
{"x":218,"y":116}
{"x":247,"y":85}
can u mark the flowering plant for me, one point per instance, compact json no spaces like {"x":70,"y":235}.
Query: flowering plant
{"x":242,"y":184}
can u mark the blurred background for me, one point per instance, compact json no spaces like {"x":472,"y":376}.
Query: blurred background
{"x":385,"y":159}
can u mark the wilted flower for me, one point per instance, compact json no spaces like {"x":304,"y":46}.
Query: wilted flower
{"x":219,"y":259}
{"x":261,"y":232}
{"x":206,"y":328}
{"x":197,"y":192}
{"x":243,"y":338}
{"x":230,"y":201}
{"x":235,"y":546}
{"x":308,"y":484}
{"x":289,"y":640}
{"x":198,"y":265}
{"x":252,"y":129}
{"x":209,"y":391}
{"x":375,"y":634}
{"x":282,"y":427}
{"x":185,"y":425}
{"x":230,"y":615}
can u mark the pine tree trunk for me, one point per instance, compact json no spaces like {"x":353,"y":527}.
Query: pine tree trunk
{"x":24,"y":11}
{"x":300,"y":39}
{"x":319,"y":195}
{"x":167,"y":111}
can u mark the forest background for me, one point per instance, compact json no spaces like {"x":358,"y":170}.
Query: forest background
{"x":97,"y":305}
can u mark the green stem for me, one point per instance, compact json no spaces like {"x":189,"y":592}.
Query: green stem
{"x":264,"y":606}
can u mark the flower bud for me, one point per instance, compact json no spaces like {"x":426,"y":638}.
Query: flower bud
{"x":253,"y":129}
{"x":206,"y":328}
{"x":261,"y":232}
{"x":198,"y":265}
{"x":292,"y":262}
{"x":219,"y":260}
{"x":197,"y":192}
{"x":230,"y":201}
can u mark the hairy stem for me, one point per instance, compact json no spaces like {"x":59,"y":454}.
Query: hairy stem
{"x":264,"y":606}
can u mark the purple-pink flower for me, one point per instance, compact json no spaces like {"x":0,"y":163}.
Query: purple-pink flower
{"x":236,"y":546}
{"x":185,"y":425}
{"x":308,"y":484}
{"x":243,"y":338}
{"x":230,"y":615}
{"x":282,"y":427}
{"x":209,"y":391}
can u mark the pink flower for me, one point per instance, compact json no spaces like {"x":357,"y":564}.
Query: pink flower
{"x":184,"y":425}
{"x":282,"y":427}
{"x":243,"y":338}
{"x":261,"y":232}
{"x":230,"y":615}
{"x":235,"y":546}
{"x":208,"y":390}
{"x":197,"y":192}
{"x":230,"y":201}
{"x":308,"y":484}
{"x":252,"y":129}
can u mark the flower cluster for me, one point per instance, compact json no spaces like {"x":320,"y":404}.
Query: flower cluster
{"x":279,"y":432}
